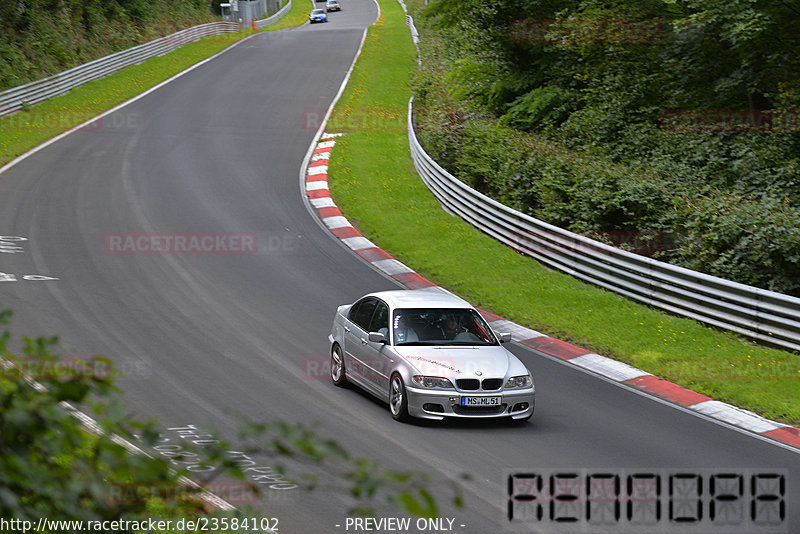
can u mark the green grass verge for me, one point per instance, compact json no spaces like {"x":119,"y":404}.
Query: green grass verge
{"x":374,"y":183}
{"x":24,"y":130}
{"x":297,"y":16}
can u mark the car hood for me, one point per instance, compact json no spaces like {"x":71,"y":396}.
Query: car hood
{"x":462,"y":361}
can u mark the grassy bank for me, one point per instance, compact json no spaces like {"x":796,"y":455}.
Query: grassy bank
{"x":297,"y":16}
{"x":374,"y":183}
{"x":24,"y":130}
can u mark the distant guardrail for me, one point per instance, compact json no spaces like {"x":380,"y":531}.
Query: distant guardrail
{"x":763,"y":315}
{"x":261,"y":24}
{"x":14,"y":99}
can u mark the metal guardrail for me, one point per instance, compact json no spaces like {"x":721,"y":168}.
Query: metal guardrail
{"x":261,"y":24}
{"x":413,"y":29}
{"x":766,"y":316}
{"x":14,"y":99}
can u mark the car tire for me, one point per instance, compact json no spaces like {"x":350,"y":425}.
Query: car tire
{"x":398,"y":401}
{"x":524,"y":419}
{"x":519,"y":422}
{"x":338,"y":375}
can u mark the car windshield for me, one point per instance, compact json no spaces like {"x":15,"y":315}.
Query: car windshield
{"x":434,"y":326}
{"x":317,"y":12}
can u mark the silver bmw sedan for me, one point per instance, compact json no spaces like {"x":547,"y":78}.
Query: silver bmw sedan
{"x":429,"y":354}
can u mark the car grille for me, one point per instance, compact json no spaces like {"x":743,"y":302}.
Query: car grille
{"x":492,"y":383}
{"x":468,"y":383}
{"x":473,"y":384}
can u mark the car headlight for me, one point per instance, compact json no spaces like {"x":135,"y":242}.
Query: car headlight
{"x":516,"y":382}
{"x":432,"y":382}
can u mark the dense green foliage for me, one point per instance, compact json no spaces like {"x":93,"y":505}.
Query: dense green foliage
{"x":374,"y":183}
{"x":604,"y":118}
{"x":42,"y":37}
{"x":52,"y":467}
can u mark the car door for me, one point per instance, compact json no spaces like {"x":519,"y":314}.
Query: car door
{"x":356,"y":338}
{"x":378,"y":356}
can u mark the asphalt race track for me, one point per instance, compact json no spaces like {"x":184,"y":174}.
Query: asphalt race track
{"x":204,"y":336}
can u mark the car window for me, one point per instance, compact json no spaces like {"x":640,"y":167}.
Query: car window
{"x":441,"y":327}
{"x":354,"y":310}
{"x":362,"y":311}
{"x":380,"y":319}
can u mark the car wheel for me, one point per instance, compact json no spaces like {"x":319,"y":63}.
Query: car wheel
{"x":337,"y":367}
{"x":518,"y":422}
{"x":523,"y":420}
{"x":398,"y":402}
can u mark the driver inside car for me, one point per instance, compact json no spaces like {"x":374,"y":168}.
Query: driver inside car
{"x":451,"y":327}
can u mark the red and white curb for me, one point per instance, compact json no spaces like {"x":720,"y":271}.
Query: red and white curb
{"x":319,"y":196}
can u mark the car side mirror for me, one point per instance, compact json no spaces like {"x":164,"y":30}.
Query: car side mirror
{"x":377,"y":337}
{"x":505,"y":337}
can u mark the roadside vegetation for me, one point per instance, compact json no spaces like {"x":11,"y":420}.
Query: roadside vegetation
{"x":35,"y":124}
{"x":54,"y":468}
{"x":51,"y":467}
{"x":374,"y":183}
{"x":23,"y":130}
{"x":39,"y":38}
{"x":672,"y":128}
{"x":297,"y":15}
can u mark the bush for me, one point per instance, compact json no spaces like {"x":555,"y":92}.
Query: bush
{"x":39,"y":38}
{"x":573,"y":132}
{"x":756,"y":242}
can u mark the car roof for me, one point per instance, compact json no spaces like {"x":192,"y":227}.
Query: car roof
{"x":420,"y":298}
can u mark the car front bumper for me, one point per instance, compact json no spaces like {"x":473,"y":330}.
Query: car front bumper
{"x":438,"y":404}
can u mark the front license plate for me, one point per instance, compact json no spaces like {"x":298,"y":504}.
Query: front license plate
{"x":481,"y":401}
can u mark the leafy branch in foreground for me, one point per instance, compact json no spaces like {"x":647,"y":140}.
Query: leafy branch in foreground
{"x":369,"y":483}
{"x":51,"y":467}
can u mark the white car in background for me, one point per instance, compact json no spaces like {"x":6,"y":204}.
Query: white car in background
{"x":430,"y":355}
{"x":318,"y":15}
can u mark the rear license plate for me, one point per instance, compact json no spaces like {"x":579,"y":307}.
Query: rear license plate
{"x":481,"y":401}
